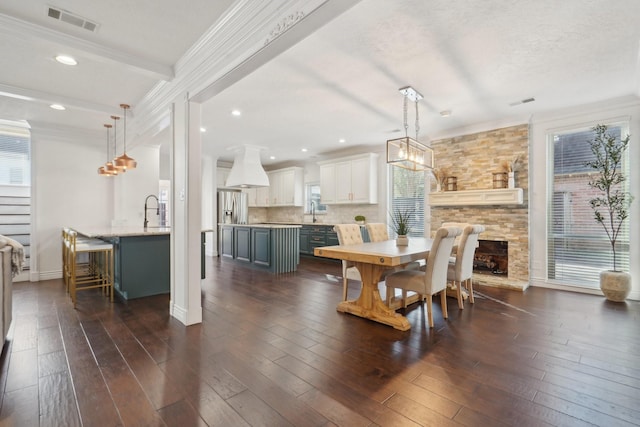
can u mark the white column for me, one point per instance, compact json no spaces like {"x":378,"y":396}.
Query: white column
{"x":185,"y":304}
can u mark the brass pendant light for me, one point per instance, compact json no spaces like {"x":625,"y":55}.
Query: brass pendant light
{"x":125,"y":161}
{"x":119,"y":169}
{"x":108,"y":169}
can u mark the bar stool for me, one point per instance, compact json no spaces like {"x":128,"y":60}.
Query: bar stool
{"x":96,"y":272}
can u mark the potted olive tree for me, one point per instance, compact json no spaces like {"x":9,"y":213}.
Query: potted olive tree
{"x":611,"y":205}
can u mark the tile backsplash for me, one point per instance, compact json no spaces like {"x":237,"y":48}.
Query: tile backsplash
{"x":336,"y":214}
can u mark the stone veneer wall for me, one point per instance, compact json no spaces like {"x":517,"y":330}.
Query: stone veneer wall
{"x":472,"y":159}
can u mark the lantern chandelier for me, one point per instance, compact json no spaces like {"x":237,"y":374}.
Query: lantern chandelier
{"x":121,"y":163}
{"x":407,"y":152}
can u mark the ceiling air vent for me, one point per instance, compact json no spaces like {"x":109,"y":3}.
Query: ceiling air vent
{"x":522,"y":101}
{"x":71,"y":18}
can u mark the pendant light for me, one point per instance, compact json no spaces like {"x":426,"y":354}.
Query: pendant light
{"x":119,"y":169}
{"x":125,"y":161}
{"x":407,"y":152}
{"x":106,"y":170}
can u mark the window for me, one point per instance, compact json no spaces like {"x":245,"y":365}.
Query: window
{"x":15,"y":185}
{"x":312,"y":195}
{"x":407,"y":193}
{"x":578,"y":247}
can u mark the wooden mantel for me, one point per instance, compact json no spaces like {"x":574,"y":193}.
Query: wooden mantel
{"x":497,"y":196}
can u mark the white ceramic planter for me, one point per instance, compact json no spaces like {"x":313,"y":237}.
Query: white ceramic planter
{"x":402,"y":241}
{"x":615,"y":285}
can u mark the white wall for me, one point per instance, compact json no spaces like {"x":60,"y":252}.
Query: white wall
{"x":66,"y":191}
{"x":584,"y":116}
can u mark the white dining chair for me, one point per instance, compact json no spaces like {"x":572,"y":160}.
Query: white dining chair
{"x":348,"y":234}
{"x":434,"y":279}
{"x":460,"y":267}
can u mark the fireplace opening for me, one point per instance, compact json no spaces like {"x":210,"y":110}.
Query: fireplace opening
{"x":492,"y":257}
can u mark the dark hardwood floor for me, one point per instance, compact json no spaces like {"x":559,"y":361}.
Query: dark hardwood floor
{"x":273,"y":351}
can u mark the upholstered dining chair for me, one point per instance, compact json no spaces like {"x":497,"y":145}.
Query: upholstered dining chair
{"x":377,"y":231}
{"x":434,"y":279}
{"x":348,"y":234}
{"x":460,"y":267}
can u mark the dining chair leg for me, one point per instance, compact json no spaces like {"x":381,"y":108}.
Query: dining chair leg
{"x":344,"y":289}
{"x":443,"y":302}
{"x":458,"y":286}
{"x":470,"y":289}
{"x":430,"y":310}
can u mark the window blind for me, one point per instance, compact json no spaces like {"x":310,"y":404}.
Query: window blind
{"x":15,"y":186}
{"x":407,"y":195}
{"x":578,"y":247}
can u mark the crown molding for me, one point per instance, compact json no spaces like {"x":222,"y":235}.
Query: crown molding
{"x":50,"y":98}
{"x":54,"y":132}
{"x":248,"y":35}
{"x":22,"y":29}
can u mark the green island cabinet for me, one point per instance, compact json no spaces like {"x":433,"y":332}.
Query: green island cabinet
{"x":318,"y":235}
{"x":271,"y":247}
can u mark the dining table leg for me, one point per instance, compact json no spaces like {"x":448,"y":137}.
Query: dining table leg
{"x":369,"y":304}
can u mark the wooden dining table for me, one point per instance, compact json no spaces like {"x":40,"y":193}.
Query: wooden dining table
{"x":372,"y":259}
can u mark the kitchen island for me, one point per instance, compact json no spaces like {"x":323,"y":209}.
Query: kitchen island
{"x":273,"y":247}
{"x":142,"y":259}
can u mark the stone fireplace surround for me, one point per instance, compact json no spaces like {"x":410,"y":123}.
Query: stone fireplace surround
{"x":472,"y":159}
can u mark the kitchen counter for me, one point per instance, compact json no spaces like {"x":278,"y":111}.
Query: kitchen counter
{"x":265,"y":225}
{"x":142,"y":258}
{"x":122,"y":231}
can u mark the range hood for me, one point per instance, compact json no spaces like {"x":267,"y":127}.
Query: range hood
{"x":247,"y":171}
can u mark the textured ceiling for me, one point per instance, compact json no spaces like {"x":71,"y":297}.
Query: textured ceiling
{"x":475,"y":58}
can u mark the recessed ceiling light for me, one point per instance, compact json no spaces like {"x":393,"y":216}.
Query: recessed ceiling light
{"x":203,"y":129}
{"x":445,"y":113}
{"x":57,"y":107}
{"x":66,"y":60}
{"x":342,"y":140}
{"x":272,"y":157}
{"x":236,"y":113}
{"x":304,"y":150}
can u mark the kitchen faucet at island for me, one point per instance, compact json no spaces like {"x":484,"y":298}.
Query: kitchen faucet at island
{"x":146,"y":221}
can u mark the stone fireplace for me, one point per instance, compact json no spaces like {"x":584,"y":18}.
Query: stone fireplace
{"x":473,"y":159}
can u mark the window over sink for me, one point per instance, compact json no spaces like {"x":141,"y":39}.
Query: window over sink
{"x":312,"y":196}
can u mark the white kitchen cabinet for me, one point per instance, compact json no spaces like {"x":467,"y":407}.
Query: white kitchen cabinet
{"x":287,"y":187}
{"x":258,"y":197}
{"x":328,"y":183}
{"x":349,"y":180}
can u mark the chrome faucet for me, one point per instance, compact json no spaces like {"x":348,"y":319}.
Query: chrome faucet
{"x":146,"y":221}
{"x":313,"y":211}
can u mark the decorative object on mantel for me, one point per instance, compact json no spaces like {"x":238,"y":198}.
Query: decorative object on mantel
{"x":451,"y":183}
{"x":360,"y":219}
{"x":401,"y":224}
{"x":510,"y":168}
{"x":499,"y":179}
{"x":439,"y":174}
{"x":407,"y":152}
{"x":611,"y":205}
{"x":125,"y":161}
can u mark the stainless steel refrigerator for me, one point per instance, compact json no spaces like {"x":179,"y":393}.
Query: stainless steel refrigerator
{"x":233,"y":207}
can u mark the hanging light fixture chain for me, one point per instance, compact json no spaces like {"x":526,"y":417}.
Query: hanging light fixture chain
{"x":417,"y":120}
{"x":406,"y":125}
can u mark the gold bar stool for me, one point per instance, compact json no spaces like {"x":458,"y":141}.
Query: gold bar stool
{"x":97,"y":272}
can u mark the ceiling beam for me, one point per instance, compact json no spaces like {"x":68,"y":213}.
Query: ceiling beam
{"x":18,"y":28}
{"x":52,"y":98}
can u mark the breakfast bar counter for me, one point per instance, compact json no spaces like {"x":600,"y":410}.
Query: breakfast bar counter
{"x":142,"y":259}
